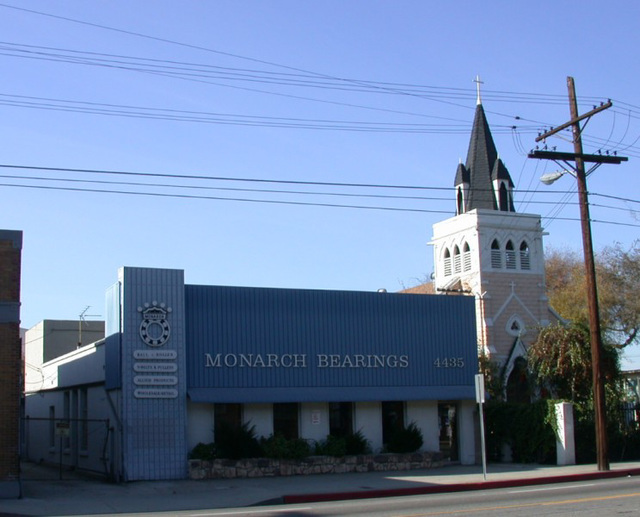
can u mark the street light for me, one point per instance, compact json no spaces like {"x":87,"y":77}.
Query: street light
{"x":552,"y":177}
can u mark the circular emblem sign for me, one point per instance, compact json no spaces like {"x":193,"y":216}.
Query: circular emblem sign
{"x":154,"y":328}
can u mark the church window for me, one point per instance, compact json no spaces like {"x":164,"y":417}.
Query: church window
{"x":496,"y":255}
{"x":525,"y":257}
{"x":466,"y":257}
{"x":504,"y":198}
{"x":447,"y":262}
{"x":456,"y":260}
{"x":515,"y":326}
{"x":460,"y":201}
{"x":511,"y":256}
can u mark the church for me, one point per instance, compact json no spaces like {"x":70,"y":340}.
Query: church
{"x":495,"y":254}
{"x":176,"y":360}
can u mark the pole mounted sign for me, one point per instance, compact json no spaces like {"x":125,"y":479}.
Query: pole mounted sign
{"x":479,"y":379}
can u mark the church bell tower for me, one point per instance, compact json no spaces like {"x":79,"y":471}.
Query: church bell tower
{"x":490,"y":251}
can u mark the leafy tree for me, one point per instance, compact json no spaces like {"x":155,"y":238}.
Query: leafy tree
{"x":618,"y":282}
{"x":560,"y":361}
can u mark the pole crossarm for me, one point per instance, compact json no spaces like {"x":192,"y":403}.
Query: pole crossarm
{"x":566,"y":157}
{"x":574,"y":121}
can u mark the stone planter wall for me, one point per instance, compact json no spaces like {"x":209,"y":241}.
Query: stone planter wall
{"x":264,"y":467}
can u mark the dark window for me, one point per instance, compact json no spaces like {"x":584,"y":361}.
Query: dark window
{"x":447,"y":262}
{"x":525,"y":258}
{"x":285,"y":419}
{"x":460,"y":201}
{"x":504,"y":198}
{"x":228,"y":415}
{"x":340,"y":418}
{"x":511,"y":256}
{"x":456,"y":260}
{"x":496,"y":255}
{"x":392,"y":419}
{"x":466,"y":257}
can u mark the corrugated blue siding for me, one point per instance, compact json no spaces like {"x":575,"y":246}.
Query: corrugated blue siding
{"x":436,"y":335}
{"x":155,"y":428}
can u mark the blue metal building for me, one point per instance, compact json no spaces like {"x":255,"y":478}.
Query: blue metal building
{"x":181,"y":358}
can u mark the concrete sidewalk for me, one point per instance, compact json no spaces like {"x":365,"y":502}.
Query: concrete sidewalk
{"x":45,"y":494}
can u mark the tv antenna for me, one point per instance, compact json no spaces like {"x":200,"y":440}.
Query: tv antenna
{"x":81,"y":320}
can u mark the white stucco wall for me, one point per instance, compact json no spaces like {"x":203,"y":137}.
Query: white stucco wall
{"x":260,"y":415}
{"x":200,"y":423}
{"x":425,"y":415}
{"x":466,"y":437}
{"x":368,"y":419}
{"x":314,"y":420}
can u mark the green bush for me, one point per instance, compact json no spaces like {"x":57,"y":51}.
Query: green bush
{"x":332,"y":446}
{"x":356,"y":444}
{"x":279,"y":447}
{"x":203,"y":451}
{"x":526,"y":428}
{"x":234,"y":442}
{"x":405,"y":440}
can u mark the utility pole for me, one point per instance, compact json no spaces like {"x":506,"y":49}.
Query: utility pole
{"x":579,"y":158}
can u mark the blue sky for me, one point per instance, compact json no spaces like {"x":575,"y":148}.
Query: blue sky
{"x":369,"y":93}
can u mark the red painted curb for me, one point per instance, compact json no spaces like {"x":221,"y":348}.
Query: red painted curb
{"x":456,"y":487}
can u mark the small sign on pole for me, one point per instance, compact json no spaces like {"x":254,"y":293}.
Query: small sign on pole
{"x":480,"y":400}
{"x":63,"y":429}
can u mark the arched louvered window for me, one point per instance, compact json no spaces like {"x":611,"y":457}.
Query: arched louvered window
{"x":457,"y":260}
{"x":525,"y":256}
{"x":496,"y":255}
{"x":466,"y":257}
{"x":510,"y":254}
{"x":447,"y":262}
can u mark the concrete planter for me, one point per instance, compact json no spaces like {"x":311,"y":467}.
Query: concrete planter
{"x":264,"y":467}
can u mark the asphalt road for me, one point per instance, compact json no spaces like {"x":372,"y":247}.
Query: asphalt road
{"x":586,"y":498}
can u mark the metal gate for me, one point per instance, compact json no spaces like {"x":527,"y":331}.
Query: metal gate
{"x":70,"y":444}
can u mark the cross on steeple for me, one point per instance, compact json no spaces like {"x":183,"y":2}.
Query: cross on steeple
{"x":478,"y":83}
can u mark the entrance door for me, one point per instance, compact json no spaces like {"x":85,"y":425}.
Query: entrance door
{"x":448,"y":420}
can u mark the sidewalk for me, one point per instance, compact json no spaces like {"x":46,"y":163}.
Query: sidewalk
{"x":45,"y":494}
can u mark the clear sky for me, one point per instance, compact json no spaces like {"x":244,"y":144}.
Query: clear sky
{"x":294,"y":95}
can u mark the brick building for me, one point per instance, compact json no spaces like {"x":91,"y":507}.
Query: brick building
{"x":10,"y":366}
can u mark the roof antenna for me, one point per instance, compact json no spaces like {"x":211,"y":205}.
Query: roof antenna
{"x":478,"y":83}
{"x":82,"y":320}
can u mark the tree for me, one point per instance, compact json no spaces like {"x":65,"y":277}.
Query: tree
{"x":560,"y":361}
{"x":618,"y":282}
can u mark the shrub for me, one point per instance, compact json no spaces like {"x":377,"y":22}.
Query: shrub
{"x":279,"y":447}
{"x":526,"y":428}
{"x":356,"y":443}
{"x":203,"y":451}
{"x":237,"y":442}
{"x":405,"y":440}
{"x":332,"y":446}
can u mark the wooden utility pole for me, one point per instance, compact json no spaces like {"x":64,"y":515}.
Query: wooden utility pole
{"x":579,"y":158}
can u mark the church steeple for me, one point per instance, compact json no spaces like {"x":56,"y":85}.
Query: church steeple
{"x":483,"y":182}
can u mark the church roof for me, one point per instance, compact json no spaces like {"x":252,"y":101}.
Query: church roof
{"x":462,"y":175}
{"x":482,"y":166}
{"x":500,"y":172}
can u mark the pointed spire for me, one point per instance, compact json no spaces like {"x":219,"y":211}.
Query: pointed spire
{"x":486,"y":181}
{"x":481,"y":158}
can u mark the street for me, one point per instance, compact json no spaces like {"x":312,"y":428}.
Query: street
{"x":589,"y":498}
